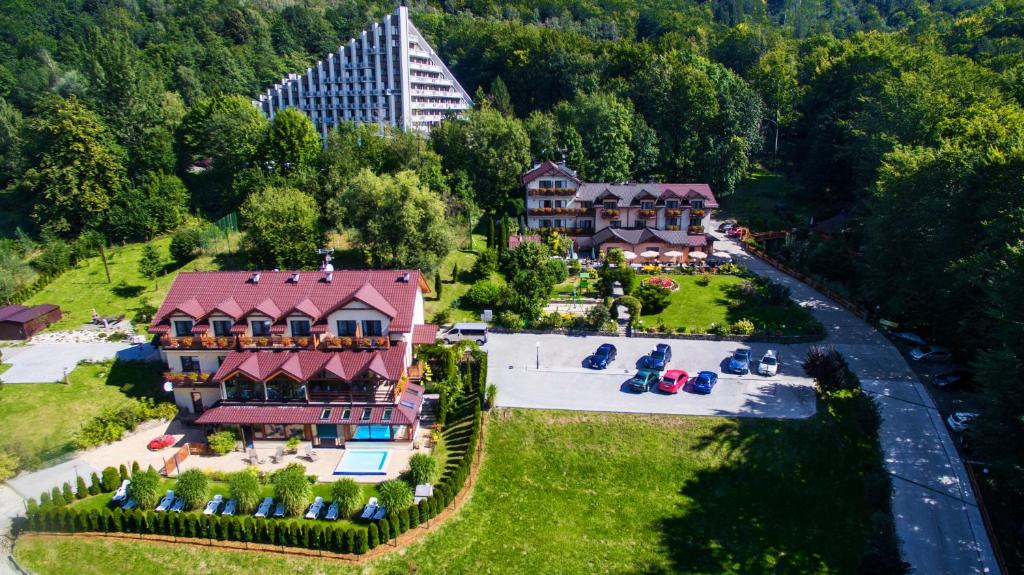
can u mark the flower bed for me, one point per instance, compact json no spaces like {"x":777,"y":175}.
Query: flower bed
{"x":663,"y":282}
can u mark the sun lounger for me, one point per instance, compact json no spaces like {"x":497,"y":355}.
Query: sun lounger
{"x":229,"y":507}
{"x":278,"y":455}
{"x":213,"y":505}
{"x":166,"y":502}
{"x":178,"y":505}
{"x":254,"y":458}
{"x":370,"y":509}
{"x":332,"y":511}
{"x":310,"y":454}
{"x":130,"y":504}
{"x":314,"y":509}
{"x":279,"y":510}
{"x":122,"y":492}
{"x":379,"y":514}
{"x":423,"y":491}
{"x":264,"y":507}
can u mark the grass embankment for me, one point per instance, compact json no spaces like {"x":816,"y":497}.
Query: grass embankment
{"x":603,"y":493}
{"x":696,"y":307}
{"x":38,"y":421}
{"x":454,"y":286}
{"x":85,"y":287}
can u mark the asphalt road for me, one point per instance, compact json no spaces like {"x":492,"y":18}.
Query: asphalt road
{"x":47,"y":362}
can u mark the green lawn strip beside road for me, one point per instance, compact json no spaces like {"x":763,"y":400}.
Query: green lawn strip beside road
{"x":83,"y":288}
{"x":38,"y":421}
{"x":572,"y":493}
{"x":696,"y":307}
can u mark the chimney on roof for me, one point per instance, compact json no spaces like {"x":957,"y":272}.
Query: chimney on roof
{"x":295,"y":278}
{"x":255,"y":278}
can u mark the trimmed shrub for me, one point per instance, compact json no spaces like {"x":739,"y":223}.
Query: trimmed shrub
{"x":373,"y":536}
{"x":414,"y":516}
{"x":135,"y":468}
{"x":123,"y":472}
{"x":421,"y":468}
{"x":360,"y":543}
{"x":80,"y":489}
{"x":111,"y":479}
{"x":403,"y":520}
{"x":385,"y":530}
{"x":45,"y":500}
{"x":222,"y":442}
{"x":57,"y":498}
{"x":68,"y":494}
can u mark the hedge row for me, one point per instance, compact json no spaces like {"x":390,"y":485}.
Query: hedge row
{"x":338,"y":538}
{"x":31,"y":289}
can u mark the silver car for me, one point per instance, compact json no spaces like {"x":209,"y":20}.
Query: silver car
{"x":931,"y":353}
{"x":960,"y":420}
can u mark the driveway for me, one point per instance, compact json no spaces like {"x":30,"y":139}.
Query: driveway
{"x":937,"y":518}
{"x":562,"y":381}
{"x":46,"y":362}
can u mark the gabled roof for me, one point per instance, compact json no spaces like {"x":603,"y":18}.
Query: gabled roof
{"x":627,"y":193}
{"x":22,"y":314}
{"x":393,"y":292}
{"x":637,"y":236}
{"x":547,"y":168}
{"x":304,"y":365}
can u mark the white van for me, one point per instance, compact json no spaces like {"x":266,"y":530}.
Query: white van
{"x":462,"y":331}
{"x":769,"y":365}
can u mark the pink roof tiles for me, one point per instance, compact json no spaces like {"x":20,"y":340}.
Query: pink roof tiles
{"x":198,"y":294}
{"x":424,"y":334}
{"x":305,"y":365}
{"x":547,"y":168}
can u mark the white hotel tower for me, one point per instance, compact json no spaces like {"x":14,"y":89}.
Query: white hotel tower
{"x":389,"y":74}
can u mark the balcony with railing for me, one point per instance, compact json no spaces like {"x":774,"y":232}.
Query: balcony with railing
{"x":276,"y":342}
{"x":695,"y":230}
{"x":189,"y":379}
{"x":648,"y":213}
{"x":609,"y":212}
{"x":560,"y":211}
{"x":673,"y":212}
{"x":552,"y":192}
{"x":337,"y":391}
{"x":333,"y":342}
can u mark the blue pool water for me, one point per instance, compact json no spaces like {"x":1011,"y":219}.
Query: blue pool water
{"x":362,"y":462}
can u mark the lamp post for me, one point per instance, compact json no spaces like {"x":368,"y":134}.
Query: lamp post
{"x":538,"y":355}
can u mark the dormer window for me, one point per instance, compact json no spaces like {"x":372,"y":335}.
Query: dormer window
{"x":610,"y":204}
{"x":366,"y":414}
{"x":647,"y":205}
{"x":372,"y":327}
{"x":697,"y":204}
{"x":387,"y":414}
{"x":221,"y":327}
{"x":183,"y":327}
{"x":300,"y":327}
{"x":346,"y":327}
{"x":672,"y":204}
{"x":260,"y":327}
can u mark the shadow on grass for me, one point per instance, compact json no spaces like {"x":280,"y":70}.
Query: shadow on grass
{"x":799,"y":496}
{"x":138,"y":379}
{"x":786,"y":317}
{"x":124,"y":290}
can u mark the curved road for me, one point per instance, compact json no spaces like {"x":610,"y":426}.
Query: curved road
{"x":937,"y":518}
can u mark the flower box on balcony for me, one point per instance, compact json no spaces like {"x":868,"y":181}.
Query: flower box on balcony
{"x":552,"y":191}
{"x":285,"y":341}
{"x":695,"y":230}
{"x":697,"y":213}
{"x":302,"y":341}
{"x":647,"y":213}
{"x":246,"y":341}
{"x":207,"y":342}
{"x":263,"y":341}
{"x":673,"y":212}
{"x":672,"y":228}
{"x":223,"y":342}
{"x":610,"y":213}
{"x":168,"y":341}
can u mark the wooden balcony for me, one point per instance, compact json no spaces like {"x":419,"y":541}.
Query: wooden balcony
{"x":560,"y":211}
{"x":552,"y":192}
{"x":189,"y":379}
{"x":345,"y":394}
{"x":346,"y":342}
{"x":277,"y":342}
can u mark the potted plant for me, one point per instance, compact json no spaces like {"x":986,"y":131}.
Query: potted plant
{"x":246,"y":341}
{"x":223,"y":342}
{"x":342,"y":341}
{"x":286,"y":341}
{"x":364,"y":342}
{"x":302,"y":341}
{"x":264,"y":341}
{"x":186,"y":341}
{"x":292,"y":445}
{"x":382,"y":341}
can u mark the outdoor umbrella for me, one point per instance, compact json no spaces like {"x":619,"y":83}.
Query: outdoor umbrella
{"x":629,"y":255}
{"x":698,"y":255}
{"x":722,"y":255}
{"x":673,"y":254}
{"x":649,"y":254}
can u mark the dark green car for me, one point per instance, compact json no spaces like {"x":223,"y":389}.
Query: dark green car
{"x":644,"y":380}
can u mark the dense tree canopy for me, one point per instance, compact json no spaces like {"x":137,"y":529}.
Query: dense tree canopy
{"x":281,"y":225}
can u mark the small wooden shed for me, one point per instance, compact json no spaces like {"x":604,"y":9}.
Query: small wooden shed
{"x":22,"y":322}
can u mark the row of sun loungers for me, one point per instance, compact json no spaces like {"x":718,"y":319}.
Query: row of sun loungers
{"x":373,"y":511}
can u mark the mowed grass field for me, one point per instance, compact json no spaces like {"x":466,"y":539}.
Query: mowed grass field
{"x":38,"y":421}
{"x":85,"y":287}
{"x":582,"y":493}
{"x":696,"y":307}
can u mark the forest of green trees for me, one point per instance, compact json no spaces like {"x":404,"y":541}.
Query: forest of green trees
{"x":905,"y":114}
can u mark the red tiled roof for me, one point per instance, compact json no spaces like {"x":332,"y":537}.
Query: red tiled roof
{"x":200,"y":293}
{"x":545,"y":168}
{"x":305,"y":364}
{"x":424,"y":334}
{"x":307,"y":414}
{"x":22,"y":314}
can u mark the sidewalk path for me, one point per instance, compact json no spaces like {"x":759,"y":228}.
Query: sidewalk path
{"x":937,"y":518}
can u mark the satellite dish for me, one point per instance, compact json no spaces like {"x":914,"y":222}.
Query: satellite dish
{"x":168,"y":386}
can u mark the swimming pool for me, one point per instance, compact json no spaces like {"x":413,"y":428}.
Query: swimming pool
{"x":362,"y":462}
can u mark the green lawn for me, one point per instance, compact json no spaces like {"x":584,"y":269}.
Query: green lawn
{"x":764,"y":201}
{"x":696,"y":307}
{"x":84,"y":288}
{"x":38,"y":420}
{"x":453,"y":288}
{"x":584,"y":493}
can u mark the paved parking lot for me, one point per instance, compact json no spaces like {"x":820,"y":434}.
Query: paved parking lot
{"x":563,"y":382}
{"x":46,"y":362}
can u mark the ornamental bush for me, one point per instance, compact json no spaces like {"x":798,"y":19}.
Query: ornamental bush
{"x":360,"y":543}
{"x":80,"y":489}
{"x":348,"y":495}
{"x":145,"y":488}
{"x":827,"y":367}
{"x":111,"y":479}
{"x":193,"y":487}
{"x":244,"y":487}
{"x":292,"y":488}
{"x":421,"y":468}
{"x":68,"y":494}
{"x":385,"y":530}
{"x":57,"y":498}
{"x":95,"y":486}
{"x":373,"y":536}
{"x":394,"y":495}
{"x":743,"y":327}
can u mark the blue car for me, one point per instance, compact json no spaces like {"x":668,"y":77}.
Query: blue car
{"x":659,"y":358}
{"x":604,"y":355}
{"x":704,"y":382}
{"x":740,"y":361}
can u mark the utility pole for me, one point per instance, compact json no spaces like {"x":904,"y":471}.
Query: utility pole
{"x":103,"y":256}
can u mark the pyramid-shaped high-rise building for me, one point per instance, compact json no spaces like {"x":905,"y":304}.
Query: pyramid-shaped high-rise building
{"x":388,"y":75}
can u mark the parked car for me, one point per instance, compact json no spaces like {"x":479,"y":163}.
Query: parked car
{"x":726,"y":226}
{"x":462,"y":331}
{"x":740,"y":361}
{"x":909,"y":337}
{"x":161,"y":442}
{"x":604,"y":355}
{"x":644,"y":380}
{"x":959,"y":421}
{"x":931,"y":353}
{"x":673,"y":380}
{"x":704,"y":382}
{"x":735,"y":232}
{"x":769,"y":365}
{"x":659,"y":358}
{"x":953,"y":379}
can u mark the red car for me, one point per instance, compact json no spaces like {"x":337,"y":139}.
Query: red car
{"x":161,"y":443}
{"x":673,"y":380}
{"x":735,"y":233}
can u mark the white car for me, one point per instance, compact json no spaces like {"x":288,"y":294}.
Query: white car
{"x":769,"y":363}
{"x":960,"y":420}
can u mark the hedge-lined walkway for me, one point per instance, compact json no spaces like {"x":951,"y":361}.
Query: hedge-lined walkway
{"x":391,"y":546}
